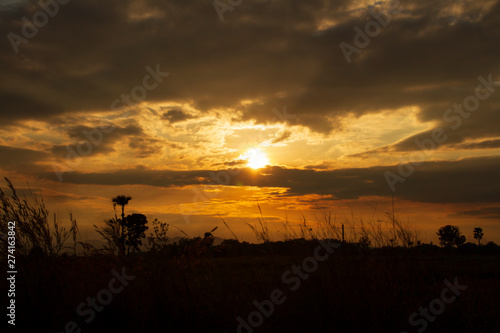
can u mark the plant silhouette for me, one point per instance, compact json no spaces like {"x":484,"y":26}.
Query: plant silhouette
{"x":135,"y":226}
{"x":121,"y":200}
{"x":450,"y":235}
{"x":478,"y":234}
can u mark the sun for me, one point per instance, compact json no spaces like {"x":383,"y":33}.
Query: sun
{"x":256,"y":158}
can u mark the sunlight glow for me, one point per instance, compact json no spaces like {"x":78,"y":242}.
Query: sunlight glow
{"x":256,"y":158}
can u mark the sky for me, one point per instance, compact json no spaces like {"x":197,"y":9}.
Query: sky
{"x":204,"y":110}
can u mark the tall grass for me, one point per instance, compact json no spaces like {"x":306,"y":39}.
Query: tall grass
{"x":33,"y":229}
{"x":111,"y":232}
{"x":390,"y":230}
{"x":262,"y":229}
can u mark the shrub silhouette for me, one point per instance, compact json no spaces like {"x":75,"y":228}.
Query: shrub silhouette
{"x":135,"y":227}
{"x":158,"y":239}
{"x":125,"y":235}
{"x":450,"y":236}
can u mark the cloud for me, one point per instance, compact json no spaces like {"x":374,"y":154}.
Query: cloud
{"x":100,"y":142}
{"x":20,"y":159}
{"x":175,"y":116}
{"x":271,"y":54}
{"x":480,"y":124}
{"x":63,"y":151}
{"x":226,"y":79}
{"x":487,"y":144}
{"x":232,"y":163}
{"x":145,"y":147}
{"x":477,"y":126}
{"x":20,"y":105}
{"x":82,"y":133}
{"x":467,"y":180}
{"x":485,"y":212}
{"x":281,"y":137}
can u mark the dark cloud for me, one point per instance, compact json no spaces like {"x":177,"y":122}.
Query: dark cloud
{"x":467,"y":180}
{"x":82,"y":133}
{"x":91,"y":141}
{"x":279,"y":137}
{"x":17,"y":105}
{"x":65,"y":151}
{"x":20,"y":159}
{"x":479,"y":124}
{"x":486,"y":212}
{"x":487,"y":144}
{"x":322,"y":166}
{"x":139,"y":175}
{"x":231,"y":163}
{"x":273,"y":53}
{"x":175,"y":116}
{"x":145,"y":147}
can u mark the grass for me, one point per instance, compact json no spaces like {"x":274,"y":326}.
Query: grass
{"x":34,"y":231}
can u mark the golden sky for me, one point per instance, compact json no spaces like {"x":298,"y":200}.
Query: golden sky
{"x":197,"y":117}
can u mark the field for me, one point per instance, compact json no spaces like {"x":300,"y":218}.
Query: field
{"x":182,"y":289}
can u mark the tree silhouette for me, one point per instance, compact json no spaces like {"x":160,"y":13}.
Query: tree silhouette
{"x":121,"y":200}
{"x":450,"y":235}
{"x":478,"y":234}
{"x":135,"y":226}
